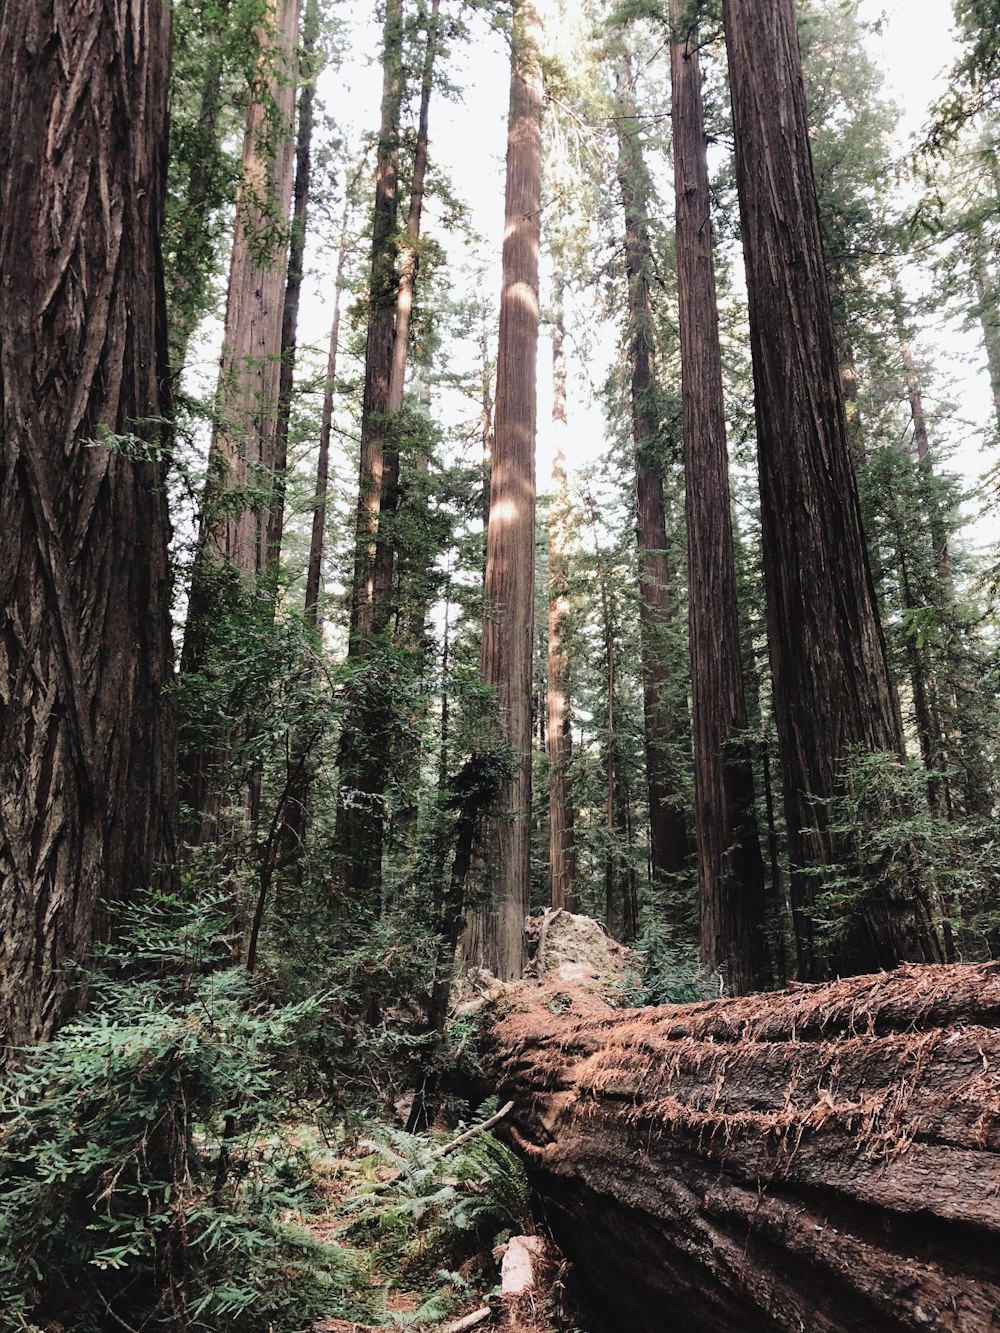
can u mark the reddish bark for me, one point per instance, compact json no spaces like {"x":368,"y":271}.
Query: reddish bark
{"x":657,"y":594}
{"x":495,"y":933}
{"x":730,"y":866}
{"x":833,"y":693}
{"x":232,"y":546}
{"x":827,"y":1157}
{"x":364,"y":738}
{"x":87,"y":752}
{"x":559,"y":734}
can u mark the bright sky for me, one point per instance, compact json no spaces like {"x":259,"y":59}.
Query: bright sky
{"x":914,"y":49}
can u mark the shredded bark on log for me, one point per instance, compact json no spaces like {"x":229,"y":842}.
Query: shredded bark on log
{"x":822,"y":1158}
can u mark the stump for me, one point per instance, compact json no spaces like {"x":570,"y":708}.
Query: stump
{"x":823,"y":1158}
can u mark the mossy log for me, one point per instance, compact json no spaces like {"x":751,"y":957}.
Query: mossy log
{"x":823,"y":1158}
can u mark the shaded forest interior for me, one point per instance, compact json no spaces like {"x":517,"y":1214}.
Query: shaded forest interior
{"x":498,"y":510}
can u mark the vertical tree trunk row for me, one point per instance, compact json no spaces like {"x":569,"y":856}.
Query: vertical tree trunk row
{"x":87,"y":758}
{"x":317,"y":535}
{"x":381,"y":331}
{"x":232,"y":548}
{"x":385,"y":558}
{"x":832,"y":689}
{"x":243,"y":451}
{"x":657,"y":610}
{"x":730,"y":866}
{"x":360,"y":826}
{"x":293,"y":284}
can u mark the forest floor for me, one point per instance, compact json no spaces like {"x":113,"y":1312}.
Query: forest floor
{"x":437,"y":1228}
{"x":418,"y":1259}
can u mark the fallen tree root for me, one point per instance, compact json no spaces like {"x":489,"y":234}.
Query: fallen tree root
{"x":824,"y":1158}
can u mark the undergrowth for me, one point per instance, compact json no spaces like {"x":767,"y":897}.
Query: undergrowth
{"x":430,"y":1216}
{"x":145,"y":1180}
{"x":156,"y":1171}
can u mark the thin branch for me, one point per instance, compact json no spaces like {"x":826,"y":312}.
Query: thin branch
{"x":473,"y":1132}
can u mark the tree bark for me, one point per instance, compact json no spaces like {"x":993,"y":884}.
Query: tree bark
{"x":232,"y":545}
{"x":360,"y":828}
{"x":385,"y":557}
{"x":730,"y":866}
{"x":380,"y":337}
{"x":242,"y":454}
{"x":657,"y":595}
{"x":87,"y":744}
{"x":832,"y":689}
{"x":318,"y":534}
{"x":495,"y":937}
{"x":293,"y":284}
{"x":559,"y":728}
{"x":824,"y":1158}
{"x":619,"y":879}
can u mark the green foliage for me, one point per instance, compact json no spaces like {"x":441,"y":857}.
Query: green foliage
{"x":436,"y":1209}
{"x":672,"y":972}
{"x":144,"y":1180}
{"x":882,"y":813}
{"x":974,"y":88}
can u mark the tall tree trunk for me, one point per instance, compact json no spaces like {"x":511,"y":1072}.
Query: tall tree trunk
{"x":988,"y":313}
{"x":832,"y":689}
{"x":495,"y":936}
{"x":293,"y":284}
{"x":385,"y":557}
{"x":614,"y":885}
{"x":360,"y":828}
{"x":317,"y":536}
{"x":667,"y":829}
{"x":927,"y":724}
{"x":381,"y":333}
{"x":558,"y":731}
{"x":387,"y":564}
{"x":730,"y":866}
{"x":233,"y":536}
{"x":87,"y":746}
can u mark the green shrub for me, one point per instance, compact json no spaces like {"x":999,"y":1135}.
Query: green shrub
{"x":144,"y":1181}
{"x":436,"y":1209}
{"x":672,"y":972}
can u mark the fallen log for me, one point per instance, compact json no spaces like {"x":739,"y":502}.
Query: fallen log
{"x":824,"y":1158}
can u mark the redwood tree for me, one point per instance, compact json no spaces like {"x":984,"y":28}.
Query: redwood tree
{"x":657,"y":595}
{"x":559,"y":734}
{"x":832,"y":689}
{"x":364,"y":735}
{"x":237,"y":507}
{"x":495,"y":936}
{"x":86,"y":734}
{"x":730,"y":867}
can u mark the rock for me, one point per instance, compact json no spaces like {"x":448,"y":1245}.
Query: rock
{"x":519,"y":1269}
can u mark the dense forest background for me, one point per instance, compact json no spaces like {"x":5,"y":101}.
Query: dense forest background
{"x":395,"y":543}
